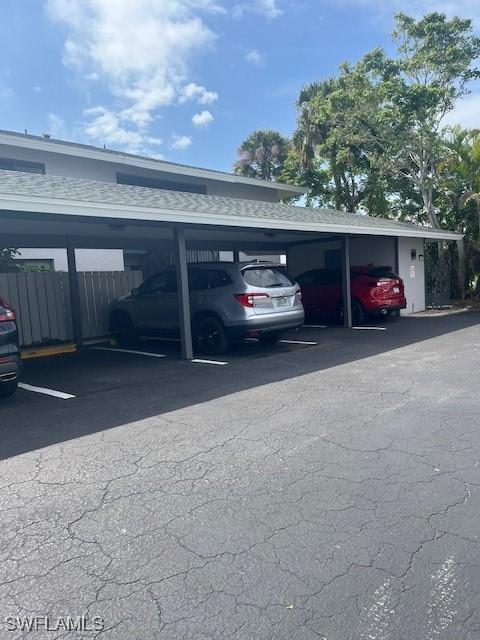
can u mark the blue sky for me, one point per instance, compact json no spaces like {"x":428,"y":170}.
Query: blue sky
{"x":186,"y":80}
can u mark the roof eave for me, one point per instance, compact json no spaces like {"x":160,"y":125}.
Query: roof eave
{"x":61,"y":206}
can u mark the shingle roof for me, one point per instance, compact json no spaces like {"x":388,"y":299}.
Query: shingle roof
{"x":118,"y":195}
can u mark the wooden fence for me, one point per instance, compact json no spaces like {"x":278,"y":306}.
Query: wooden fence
{"x":43,"y":306}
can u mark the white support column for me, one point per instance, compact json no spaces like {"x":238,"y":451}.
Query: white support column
{"x":183,"y":293}
{"x":347,"y":293}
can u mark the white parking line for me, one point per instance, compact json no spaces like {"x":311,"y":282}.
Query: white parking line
{"x":147,"y":338}
{"x":207,"y":361}
{"x":297,"y":342}
{"x":315,"y":326}
{"x":371,"y":328}
{"x":46,"y":392}
{"x":138,"y":353}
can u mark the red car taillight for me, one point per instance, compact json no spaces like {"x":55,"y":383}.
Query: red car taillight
{"x":7,"y":312}
{"x":248,"y":299}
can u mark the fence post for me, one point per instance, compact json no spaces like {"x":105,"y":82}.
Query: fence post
{"x":74,"y":296}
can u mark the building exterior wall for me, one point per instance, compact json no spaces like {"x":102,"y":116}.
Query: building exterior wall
{"x":377,"y":250}
{"x":57,"y":164}
{"x":412,"y":271}
{"x":87,"y":259}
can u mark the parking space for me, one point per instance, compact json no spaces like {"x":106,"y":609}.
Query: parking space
{"x":102,"y":366}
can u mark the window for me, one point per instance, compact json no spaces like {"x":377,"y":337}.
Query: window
{"x":201,"y":279}
{"x":266,"y":277}
{"x":22,"y":165}
{"x":158,"y":183}
{"x":164,"y":282}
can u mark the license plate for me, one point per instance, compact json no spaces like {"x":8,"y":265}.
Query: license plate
{"x":396,"y":289}
{"x":282,"y":301}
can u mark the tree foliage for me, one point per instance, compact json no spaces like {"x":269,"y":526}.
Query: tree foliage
{"x":262,"y":155}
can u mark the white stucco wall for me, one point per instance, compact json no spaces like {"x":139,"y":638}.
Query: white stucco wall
{"x":369,"y":249}
{"x":87,"y":259}
{"x":412,"y":271}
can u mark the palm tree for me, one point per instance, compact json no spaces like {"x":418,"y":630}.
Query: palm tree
{"x":262,"y":155}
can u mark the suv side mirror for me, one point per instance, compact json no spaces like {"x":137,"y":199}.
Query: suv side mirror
{"x":135,"y":292}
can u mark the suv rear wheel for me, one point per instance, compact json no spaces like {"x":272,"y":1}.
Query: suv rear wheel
{"x":123,"y":330}
{"x":210,"y":337}
{"x":358,"y":313}
{"x":8,"y":388}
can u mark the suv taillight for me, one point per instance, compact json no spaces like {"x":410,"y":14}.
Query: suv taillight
{"x":248,"y":299}
{"x":7,"y":313}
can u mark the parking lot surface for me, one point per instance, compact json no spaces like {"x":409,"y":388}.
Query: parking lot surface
{"x":325,"y":487}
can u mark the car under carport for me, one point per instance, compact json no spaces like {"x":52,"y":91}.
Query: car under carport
{"x":73,"y":213}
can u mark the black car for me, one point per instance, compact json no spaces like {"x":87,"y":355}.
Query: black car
{"x":10,"y":364}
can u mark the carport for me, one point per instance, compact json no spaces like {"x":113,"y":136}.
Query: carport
{"x":59,"y":212}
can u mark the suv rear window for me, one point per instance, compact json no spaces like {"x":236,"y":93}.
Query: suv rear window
{"x":266,"y":277}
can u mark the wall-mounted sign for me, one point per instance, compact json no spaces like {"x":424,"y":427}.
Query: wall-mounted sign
{"x":412,"y":271}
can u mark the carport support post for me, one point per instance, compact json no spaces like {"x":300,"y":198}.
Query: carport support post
{"x":74,"y":296}
{"x":347,"y":294}
{"x":183,"y":294}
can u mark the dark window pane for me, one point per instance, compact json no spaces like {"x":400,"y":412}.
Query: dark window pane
{"x":22,"y":165}
{"x":158,"y":183}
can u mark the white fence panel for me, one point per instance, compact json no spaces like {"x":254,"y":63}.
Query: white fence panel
{"x":42,"y":302}
{"x":97,"y":290}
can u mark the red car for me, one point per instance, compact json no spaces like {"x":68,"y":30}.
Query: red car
{"x":375,"y":291}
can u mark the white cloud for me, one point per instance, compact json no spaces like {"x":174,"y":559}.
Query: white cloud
{"x":203,"y":119}
{"x":57,"y":127}
{"x":255,"y":57}
{"x":192,"y":91}
{"x":139,"y":49}
{"x":267,"y":8}
{"x":466,"y":113}
{"x":180,"y":143}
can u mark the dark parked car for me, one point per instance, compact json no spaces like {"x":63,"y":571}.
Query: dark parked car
{"x":375,"y":291}
{"x":229,"y":301}
{"x":9,"y":350}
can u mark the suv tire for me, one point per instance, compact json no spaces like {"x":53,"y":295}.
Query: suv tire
{"x":123,"y":330}
{"x":8,"y":388}
{"x":210,"y":336}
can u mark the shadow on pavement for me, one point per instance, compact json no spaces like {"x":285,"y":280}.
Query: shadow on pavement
{"x":114,"y":389}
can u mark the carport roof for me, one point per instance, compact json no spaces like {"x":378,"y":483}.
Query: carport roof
{"x":34,"y":193}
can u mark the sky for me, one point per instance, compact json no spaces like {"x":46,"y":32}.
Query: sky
{"x":184,"y":80}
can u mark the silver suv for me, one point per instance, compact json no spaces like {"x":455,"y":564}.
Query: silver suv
{"x":229,"y":302}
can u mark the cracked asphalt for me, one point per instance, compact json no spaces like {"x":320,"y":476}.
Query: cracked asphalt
{"x":328,"y":491}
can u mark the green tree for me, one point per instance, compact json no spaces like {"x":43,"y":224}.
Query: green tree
{"x":7,"y":262}
{"x":262,"y":155}
{"x":378,"y":124}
